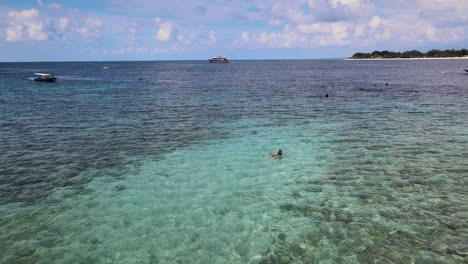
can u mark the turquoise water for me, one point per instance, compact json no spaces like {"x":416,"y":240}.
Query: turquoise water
{"x":169,"y":168}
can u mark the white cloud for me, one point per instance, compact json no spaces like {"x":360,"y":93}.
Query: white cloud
{"x":375,"y":22}
{"x":93,"y":22}
{"x":25,"y":25}
{"x":14,"y":33}
{"x":354,"y":23}
{"x":274,"y":22}
{"x":443,"y":4}
{"x":141,"y":50}
{"x":165,"y":29}
{"x":254,"y":24}
{"x":36,"y":32}
{"x":123,"y":51}
{"x":159,"y":51}
{"x":91,"y":28}
{"x":131,"y":32}
{"x":440,"y":12}
{"x":245,"y":36}
{"x":54,"y":6}
{"x":407,"y":29}
{"x":286,"y":39}
{"x":290,"y":12}
{"x":63,"y":23}
{"x":198,"y":12}
{"x":165,"y":32}
{"x":120,"y":51}
{"x":339,"y":10}
{"x":334,"y":34}
{"x":212,"y":38}
{"x":157,"y":20}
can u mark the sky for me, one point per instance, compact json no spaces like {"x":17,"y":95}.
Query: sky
{"x":120,"y":30}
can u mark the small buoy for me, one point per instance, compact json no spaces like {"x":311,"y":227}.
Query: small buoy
{"x":386,"y":83}
{"x":326,"y":95}
{"x":443,"y":72}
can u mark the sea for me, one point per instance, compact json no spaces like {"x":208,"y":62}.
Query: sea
{"x":162,"y":162}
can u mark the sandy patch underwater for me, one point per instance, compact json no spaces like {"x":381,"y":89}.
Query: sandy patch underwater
{"x":216,"y":201}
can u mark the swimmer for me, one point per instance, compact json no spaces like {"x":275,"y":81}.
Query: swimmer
{"x":276,"y":154}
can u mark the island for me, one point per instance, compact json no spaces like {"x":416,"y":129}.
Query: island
{"x":412,"y":54}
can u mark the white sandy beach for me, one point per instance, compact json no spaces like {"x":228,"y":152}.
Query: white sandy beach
{"x":435,"y":58}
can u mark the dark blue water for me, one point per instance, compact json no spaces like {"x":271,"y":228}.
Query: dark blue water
{"x":375,"y":172}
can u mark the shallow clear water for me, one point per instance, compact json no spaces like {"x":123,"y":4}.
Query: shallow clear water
{"x":161,"y":162}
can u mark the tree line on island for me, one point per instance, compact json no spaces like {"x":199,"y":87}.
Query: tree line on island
{"x":435,"y":53}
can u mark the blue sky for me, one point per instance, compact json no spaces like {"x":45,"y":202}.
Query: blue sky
{"x":74,"y":30}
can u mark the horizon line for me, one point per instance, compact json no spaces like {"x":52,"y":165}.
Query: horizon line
{"x":339,"y":58}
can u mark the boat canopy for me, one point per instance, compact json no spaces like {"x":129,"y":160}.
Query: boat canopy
{"x":43,"y":74}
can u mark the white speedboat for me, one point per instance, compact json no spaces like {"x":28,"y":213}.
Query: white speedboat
{"x":218,"y":59}
{"x":44,"y":77}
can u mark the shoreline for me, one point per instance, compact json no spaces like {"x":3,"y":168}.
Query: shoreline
{"x":434,"y":58}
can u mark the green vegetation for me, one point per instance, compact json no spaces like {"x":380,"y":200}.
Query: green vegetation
{"x":411,"y":54}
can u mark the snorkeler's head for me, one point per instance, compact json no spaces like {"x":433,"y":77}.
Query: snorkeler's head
{"x":280,"y":152}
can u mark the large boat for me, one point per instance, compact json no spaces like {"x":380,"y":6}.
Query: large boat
{"x":44,"y":77}
{"x":218,"y":59}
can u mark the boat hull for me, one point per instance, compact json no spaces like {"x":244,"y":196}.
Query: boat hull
{"x":45,"y":79}
{"x":466,"y":69}
{"x":218,"y":61}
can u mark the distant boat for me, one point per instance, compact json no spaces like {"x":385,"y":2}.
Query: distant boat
{"x":106,"y":67}
{"x":218,"y":59}
{"x":44,"y":77}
